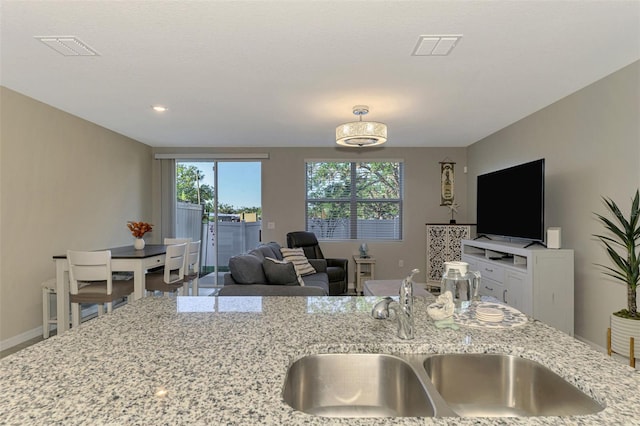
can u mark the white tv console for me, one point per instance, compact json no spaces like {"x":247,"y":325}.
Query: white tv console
{"x":535,"y":280}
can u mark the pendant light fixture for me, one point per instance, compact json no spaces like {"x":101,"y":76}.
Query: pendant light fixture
{"x":361,"y":133}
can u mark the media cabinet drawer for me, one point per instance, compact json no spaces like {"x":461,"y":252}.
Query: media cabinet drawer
{"x":491,"y":271}
{"x":489,"y":287}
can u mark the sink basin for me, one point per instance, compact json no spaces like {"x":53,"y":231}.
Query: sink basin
{"x":490,"y":385}
{"x":356,"y":385}
{"x":430,"y":385}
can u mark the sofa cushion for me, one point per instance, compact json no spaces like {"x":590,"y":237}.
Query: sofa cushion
{"x":280,"y":272}
{"x":319,"y":279}
{"x":299,"y":260}
{"x":257,"y":253}
{"x":247,"y":269}
{"x":275,"y":247}
{"x":271,"y":250}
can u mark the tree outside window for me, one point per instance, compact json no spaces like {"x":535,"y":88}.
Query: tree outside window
{"x":190,"y":189}
{"x":354,"y":200}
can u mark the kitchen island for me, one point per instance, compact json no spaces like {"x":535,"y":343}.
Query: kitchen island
{"x":223,"y":360}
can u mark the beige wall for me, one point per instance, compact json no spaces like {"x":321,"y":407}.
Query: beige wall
{"x":283,"y":195}
{"x":591,"y":143}
{"x":65,"y":183}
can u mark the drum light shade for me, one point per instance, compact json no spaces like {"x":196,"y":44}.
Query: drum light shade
{"x":361,"y":133}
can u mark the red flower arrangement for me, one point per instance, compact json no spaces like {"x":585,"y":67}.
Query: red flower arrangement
{"x":138,"y":229}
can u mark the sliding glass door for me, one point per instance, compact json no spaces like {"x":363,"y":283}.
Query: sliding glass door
{"x":219,"y":202}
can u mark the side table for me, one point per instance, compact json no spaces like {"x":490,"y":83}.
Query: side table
{"x":365,"y":270}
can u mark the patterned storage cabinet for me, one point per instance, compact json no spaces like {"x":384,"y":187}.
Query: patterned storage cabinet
{"x":444,"y":244}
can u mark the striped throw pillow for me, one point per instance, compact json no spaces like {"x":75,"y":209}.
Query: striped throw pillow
{"x":299,"y":260}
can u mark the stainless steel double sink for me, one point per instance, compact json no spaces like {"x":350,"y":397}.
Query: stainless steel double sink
{"x":430,"y":385}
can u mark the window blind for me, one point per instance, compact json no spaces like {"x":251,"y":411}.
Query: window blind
{"x":354,"y":200}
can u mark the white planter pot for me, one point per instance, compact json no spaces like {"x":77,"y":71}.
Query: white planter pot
{"x":621,"y":330}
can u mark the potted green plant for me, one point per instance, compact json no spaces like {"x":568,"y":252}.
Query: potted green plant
{"x":622,"y":246}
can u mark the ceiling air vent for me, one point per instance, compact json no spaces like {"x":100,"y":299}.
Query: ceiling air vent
{"x":68,"y":45}
{"x":435,"y":45}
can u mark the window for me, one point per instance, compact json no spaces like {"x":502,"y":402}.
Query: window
{"x":214,"y":206}
{"x":354,"y":200}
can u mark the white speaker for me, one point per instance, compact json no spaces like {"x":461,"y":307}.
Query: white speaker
{"x":554,"y":238}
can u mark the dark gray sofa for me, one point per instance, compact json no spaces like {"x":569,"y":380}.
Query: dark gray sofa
{"x":247,"y":276}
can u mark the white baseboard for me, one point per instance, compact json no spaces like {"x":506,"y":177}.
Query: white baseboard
{"x":87,"y":313}
{"x":20,"y":338}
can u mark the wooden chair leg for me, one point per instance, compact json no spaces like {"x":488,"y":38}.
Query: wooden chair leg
{"x":609,"y":341}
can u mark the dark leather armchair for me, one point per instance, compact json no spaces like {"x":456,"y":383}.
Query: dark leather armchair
{"x":337,"y":269}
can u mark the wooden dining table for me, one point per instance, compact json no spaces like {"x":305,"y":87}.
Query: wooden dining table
{"x":123,"y":259}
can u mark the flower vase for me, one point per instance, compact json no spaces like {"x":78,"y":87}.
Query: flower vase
{"x":138,"y":244}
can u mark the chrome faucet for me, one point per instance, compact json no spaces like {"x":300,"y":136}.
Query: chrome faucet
{"x":403,"y":309}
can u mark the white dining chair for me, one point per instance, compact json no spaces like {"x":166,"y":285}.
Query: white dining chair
{"x":48,"y":289}
{"x":191,"y":263}
{"x":172,"y":241}
{"x":171,"y":278}
{"x":192,"y":267}
{"x":91,"y":281}
{"x":168,"y":242}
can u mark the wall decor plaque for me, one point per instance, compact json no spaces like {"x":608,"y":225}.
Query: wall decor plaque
{"x":447,"y":182}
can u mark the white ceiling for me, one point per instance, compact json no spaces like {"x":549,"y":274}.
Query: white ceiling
{"x":286,"y":73}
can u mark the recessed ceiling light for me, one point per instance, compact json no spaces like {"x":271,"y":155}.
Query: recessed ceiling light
{"x":159,"y":108}
{"x":435,"y":45}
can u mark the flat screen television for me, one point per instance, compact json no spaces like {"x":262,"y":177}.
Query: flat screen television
{"x":510,"y":202}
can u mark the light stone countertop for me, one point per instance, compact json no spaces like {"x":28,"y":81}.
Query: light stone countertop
{"x":227,"y":365}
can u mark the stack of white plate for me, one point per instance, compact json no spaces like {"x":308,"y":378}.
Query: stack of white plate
{"x":489,"y":314}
